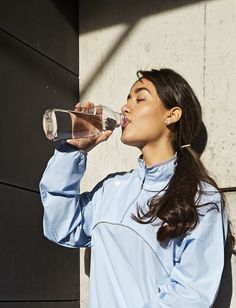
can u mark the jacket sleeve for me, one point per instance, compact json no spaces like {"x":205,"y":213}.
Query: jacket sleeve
{"x":68,"y":215}
{"x":195,"y":277}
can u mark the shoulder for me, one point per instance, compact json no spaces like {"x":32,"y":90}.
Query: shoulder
{"x":114,"y":178}
{"x":211,"y":213}
{"x":207,"y":188}
{"x":118,"y":176}
{"x":208,"y":197}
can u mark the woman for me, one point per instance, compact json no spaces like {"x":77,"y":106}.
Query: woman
{"x":158,"y":232}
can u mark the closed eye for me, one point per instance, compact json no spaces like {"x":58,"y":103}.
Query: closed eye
{"x":140,"y":100}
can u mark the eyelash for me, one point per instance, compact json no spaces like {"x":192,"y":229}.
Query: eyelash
{"x":140,"y":99}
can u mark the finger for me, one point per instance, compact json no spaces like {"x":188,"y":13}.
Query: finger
{"x":99,"y":110}
{"x":86,"y":106}
{"x":89,"y":143}
{"x":73,"y":142}
{"x":78,"y":106}
{"x":104,"y":136}
{"x":81,"y":143}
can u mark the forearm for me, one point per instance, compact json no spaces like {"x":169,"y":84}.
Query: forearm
{"x":64,"y":171}
{"x":60,"y":194}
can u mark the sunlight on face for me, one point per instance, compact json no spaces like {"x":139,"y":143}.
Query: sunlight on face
{"x":146,"y":116}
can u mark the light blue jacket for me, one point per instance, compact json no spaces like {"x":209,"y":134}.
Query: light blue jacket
{"x":129,"y":268}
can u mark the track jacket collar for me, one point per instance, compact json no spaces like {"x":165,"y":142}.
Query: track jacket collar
{"x":159,"y":173}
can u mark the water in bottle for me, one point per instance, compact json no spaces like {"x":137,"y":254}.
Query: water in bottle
{"x":59,"y":124}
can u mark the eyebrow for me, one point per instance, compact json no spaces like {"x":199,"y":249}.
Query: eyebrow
{"x":139,"y":90}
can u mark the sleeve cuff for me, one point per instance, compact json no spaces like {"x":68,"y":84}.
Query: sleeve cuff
{"x":65,"y":147}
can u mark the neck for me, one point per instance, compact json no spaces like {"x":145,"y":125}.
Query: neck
{"x":153,"y":154}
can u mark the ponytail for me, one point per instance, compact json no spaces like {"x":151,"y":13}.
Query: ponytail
{"x":176,"y":205}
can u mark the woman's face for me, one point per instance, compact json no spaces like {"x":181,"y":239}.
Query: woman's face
{"x":145,"y":116}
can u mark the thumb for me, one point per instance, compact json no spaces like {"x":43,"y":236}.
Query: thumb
{"x":104,"y":136}
{"x":107,"y":134}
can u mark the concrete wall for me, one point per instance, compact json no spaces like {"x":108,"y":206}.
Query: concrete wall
{"x":197,"y":39}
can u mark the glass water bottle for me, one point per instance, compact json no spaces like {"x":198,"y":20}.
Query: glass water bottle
{"x":59,"y":124}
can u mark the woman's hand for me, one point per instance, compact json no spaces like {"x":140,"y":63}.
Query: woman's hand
{"x":88,"y":143}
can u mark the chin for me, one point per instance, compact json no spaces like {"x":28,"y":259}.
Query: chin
{"x":126,"y":138}
{"x":130,"y":142}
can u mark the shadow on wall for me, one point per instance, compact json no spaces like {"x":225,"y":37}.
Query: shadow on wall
{"x":200,"y":140}
{"x":69,"y":15}
{"x":106,"y":13}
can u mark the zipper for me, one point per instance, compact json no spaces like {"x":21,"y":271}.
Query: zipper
{"x":136,"y":198}
{"x":142,"y":184}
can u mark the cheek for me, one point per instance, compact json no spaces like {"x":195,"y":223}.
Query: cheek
{"x":144,"y":129}
{"x":151,"y":122}
{"x":151,"y":130}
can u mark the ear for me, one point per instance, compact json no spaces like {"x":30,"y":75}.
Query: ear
{"x":174,"y":115}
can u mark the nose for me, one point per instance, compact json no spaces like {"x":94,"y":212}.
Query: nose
{"x":125,"y":109}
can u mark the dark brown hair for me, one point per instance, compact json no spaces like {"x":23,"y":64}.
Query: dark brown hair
{"x":177,"y":206}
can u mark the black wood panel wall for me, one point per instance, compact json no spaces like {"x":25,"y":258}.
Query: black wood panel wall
{"x":38,"y":70}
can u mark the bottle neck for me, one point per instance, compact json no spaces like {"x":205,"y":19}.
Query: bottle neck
{"x":119,"y":118}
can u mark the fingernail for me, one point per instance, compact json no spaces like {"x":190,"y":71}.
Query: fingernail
{"x":68,"y":140}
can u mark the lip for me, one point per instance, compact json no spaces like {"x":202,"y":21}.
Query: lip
{"x":125,"y":122}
